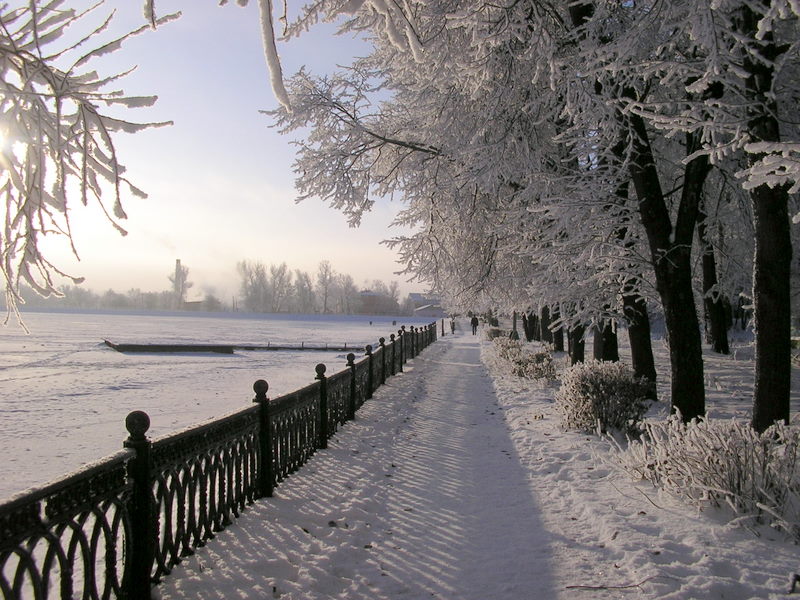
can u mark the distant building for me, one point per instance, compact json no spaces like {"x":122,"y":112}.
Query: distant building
{"x":426,"y":305}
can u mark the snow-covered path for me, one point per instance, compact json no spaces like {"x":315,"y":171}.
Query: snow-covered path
{"x":457,"y":485}
{"x":420,"y":497}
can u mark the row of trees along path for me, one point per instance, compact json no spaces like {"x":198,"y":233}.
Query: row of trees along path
{"x":564,"y":155}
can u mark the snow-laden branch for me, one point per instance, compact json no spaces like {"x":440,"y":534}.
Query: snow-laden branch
{"x":55,"y":137}
{"x":271,"y":53}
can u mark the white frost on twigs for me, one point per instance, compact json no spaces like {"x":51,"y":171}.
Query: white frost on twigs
{"x":778,"y":165}
{"x":271,"y":54}
{"x":392,"y":15}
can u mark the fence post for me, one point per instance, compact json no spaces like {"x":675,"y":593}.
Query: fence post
{"x":323,"y":406}
{"x":382,"y":342}
{"x":141,"y":506}
{"x":394,"y":357}
{"x":442,"y":327}
{"x":370,"y":375}
{"x":266,"y":477}
{"x":351,"y":409}
{"x":400,"y":333}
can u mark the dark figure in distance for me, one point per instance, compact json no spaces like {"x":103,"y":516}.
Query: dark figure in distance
{"x":452,"y":325}
{"x":474,"y":323}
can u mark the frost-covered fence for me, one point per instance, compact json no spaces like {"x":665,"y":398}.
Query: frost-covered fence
{"x":117,"y":527}
{"x":69,"y":539}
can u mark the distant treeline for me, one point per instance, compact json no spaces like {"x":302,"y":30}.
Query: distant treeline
{"x":263,"y":288}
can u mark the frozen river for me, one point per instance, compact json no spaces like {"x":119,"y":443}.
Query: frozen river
{"x":64,"y":394}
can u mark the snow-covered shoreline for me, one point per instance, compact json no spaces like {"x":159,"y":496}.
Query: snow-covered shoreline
{"x":64,"y":395}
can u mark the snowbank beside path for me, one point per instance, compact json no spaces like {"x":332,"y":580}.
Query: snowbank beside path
{"x":614,"y":538}
{"x":454,"y":485}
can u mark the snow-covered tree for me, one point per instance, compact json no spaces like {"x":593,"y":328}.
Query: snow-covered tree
{"x":305,"y":300}
{"x":460,"y":153}
{"x":326,"y":278}
{"x":539,"y":106}
{"x":345,"y":294}
{"x":733,"y":66}
{"x":254,"y":287}
{"x":280,"y":287}
{"x":56,"y":140}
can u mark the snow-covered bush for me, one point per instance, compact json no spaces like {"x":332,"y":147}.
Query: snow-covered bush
{"x":602,"y":395}
{"x":506,"y":348}
{"x":723,"y":463}
{"x":495,"y":332}
{"x":522,"y":362}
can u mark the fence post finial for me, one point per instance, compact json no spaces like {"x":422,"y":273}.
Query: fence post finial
{"x":137,"y":423}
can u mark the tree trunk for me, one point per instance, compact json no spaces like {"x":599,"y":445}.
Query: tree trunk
{"x":642,"y":361}
{"x":526,"y":328}
{"x":558,"y":334}
{"x":597,"y":342}
{"x":576,"y":344}
{"x":712,"y":299}
{"x":605,"y":346}
{"x":547,"y":335}
{"x":773,"y":248}
{"x":670,"y":251}
{"x":569,"y":343}
{"x":671,"y":255}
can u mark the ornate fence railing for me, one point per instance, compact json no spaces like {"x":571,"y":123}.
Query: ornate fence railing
{"x":117,"y":527}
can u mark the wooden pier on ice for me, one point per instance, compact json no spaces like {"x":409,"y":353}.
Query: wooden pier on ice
{"x":230,"y":348}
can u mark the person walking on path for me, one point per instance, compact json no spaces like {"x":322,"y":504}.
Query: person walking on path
{"x":474,"y":323}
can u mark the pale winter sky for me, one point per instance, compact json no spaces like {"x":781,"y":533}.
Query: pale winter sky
{"x":219,"y":180}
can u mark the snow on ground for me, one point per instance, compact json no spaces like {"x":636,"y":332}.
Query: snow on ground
{"x":64,"y":395}
{"x":455,"y":482}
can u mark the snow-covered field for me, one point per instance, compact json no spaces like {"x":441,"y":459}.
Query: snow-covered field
{"x":456,"y":483}
{"x":64,"y":395}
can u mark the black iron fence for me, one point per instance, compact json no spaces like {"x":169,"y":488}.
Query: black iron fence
{"x":114,"y":529}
